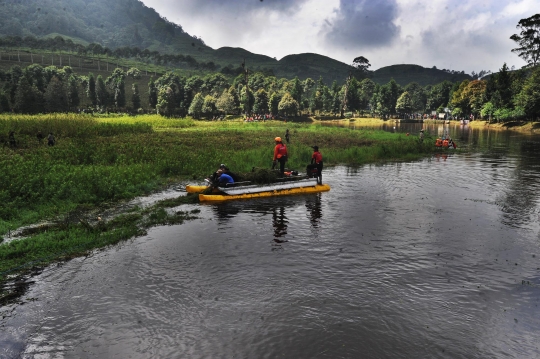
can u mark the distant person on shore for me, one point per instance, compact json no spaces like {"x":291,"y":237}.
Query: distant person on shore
{"x":287,"y":136}
{"x":421,"y":135}
{"x":51,"y":141}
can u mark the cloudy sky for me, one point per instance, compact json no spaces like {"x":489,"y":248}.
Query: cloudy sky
{"x":468,"y":35}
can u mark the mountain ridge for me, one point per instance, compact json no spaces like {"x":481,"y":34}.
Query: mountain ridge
{"x":122,"y":23}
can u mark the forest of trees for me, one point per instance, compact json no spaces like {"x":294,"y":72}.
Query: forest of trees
{"x":35,"y":89}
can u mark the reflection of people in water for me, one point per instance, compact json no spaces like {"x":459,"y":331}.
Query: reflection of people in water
{"x":279,"y":221}
{"x":315,"y":211}
{"x":438,"y":156}
{"x":225,"y":211}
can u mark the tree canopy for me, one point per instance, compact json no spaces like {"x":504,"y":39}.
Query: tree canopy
{"x":528,"y":40}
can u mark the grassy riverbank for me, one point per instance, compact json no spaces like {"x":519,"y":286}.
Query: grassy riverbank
{"x":99,"y":161}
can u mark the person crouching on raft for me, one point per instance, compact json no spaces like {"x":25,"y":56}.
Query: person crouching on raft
{"x":223,"y":178}
{"x":280,"y":155}
{"x":316,"y":162}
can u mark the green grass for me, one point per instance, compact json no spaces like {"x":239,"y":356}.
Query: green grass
{"x":101,"y":160}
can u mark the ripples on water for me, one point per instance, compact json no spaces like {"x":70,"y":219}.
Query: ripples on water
{"x":430,"y":259}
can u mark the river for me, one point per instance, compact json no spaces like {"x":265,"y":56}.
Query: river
{"x":437,"y":258}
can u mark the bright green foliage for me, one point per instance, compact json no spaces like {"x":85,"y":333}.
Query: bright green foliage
{"x":529,"y":97}
{"x":225,"y":103}
{"x":165,"y":103}
{"x":288,"y":105}
{"x":261,"y":102}
{"x":439,"y":96}
{"x":418,"y":97}
{"x":209,"y":105}
{"x":134,"y":73}
{"x":404,"y":103}
{"x":196,"y":107}
{"x":459,"y":99}
{"x":487,"y":111}
{"x":297,"y":90}
{"x":273,"y":104}
{"x":474,"y":94}
{"x":247,"y":99}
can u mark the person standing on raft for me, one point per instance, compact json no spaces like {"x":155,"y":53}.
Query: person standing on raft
{"x":316,"y":163}
{"x":280,"y":155}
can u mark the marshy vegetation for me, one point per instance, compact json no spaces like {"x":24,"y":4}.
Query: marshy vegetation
{"x":98,"y":161}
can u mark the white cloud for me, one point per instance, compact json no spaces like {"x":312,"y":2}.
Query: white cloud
{"x":469,"y":35}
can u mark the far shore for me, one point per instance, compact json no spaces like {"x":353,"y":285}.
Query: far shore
{"x":520,"y":126}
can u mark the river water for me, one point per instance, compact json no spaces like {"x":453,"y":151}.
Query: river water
{"x":437,"y":258}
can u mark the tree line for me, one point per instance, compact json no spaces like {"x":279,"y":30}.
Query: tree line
{"x":502,"y":96}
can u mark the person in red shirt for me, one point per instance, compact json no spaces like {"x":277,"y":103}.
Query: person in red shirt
{"x":280,"y":155}
{"x":316,"y":163}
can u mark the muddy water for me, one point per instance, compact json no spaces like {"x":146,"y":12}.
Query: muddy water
{"x":438,"y":258}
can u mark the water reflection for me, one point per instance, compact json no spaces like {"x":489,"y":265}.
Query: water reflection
{"x":225,"y":211}
{"x":280,"y":222}
{"x":313,"y":205}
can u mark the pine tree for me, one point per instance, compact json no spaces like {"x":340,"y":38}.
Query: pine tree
{"x":73,"y":92}
{"x":152,"y":93}
{"x":135,"y":97}
{"x":28,"y":99}
{"x":56,"y":99}
{"x":91,"y":89}
{"x":102,"y":96}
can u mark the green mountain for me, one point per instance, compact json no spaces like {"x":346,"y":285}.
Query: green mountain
{"x":130,"y":23}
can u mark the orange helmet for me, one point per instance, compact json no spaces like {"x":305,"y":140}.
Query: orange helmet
{"x":277,"y":139}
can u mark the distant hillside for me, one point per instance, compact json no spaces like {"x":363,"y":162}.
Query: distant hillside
{"x":314,"y":66}
{"x":122,"y":23}
{"x":405,"y":74}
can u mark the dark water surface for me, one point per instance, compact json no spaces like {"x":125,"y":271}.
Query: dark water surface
{"x":438,"y":258}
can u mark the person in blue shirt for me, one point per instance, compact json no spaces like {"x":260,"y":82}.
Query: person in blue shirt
{"x":223,"y":178}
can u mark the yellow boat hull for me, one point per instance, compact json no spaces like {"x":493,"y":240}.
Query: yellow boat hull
{"x":195,"y":189}
{"x":283,"y":192}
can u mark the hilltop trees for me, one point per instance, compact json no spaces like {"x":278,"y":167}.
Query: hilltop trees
{"x":361,"y":64}
{"x":528,"y":40}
